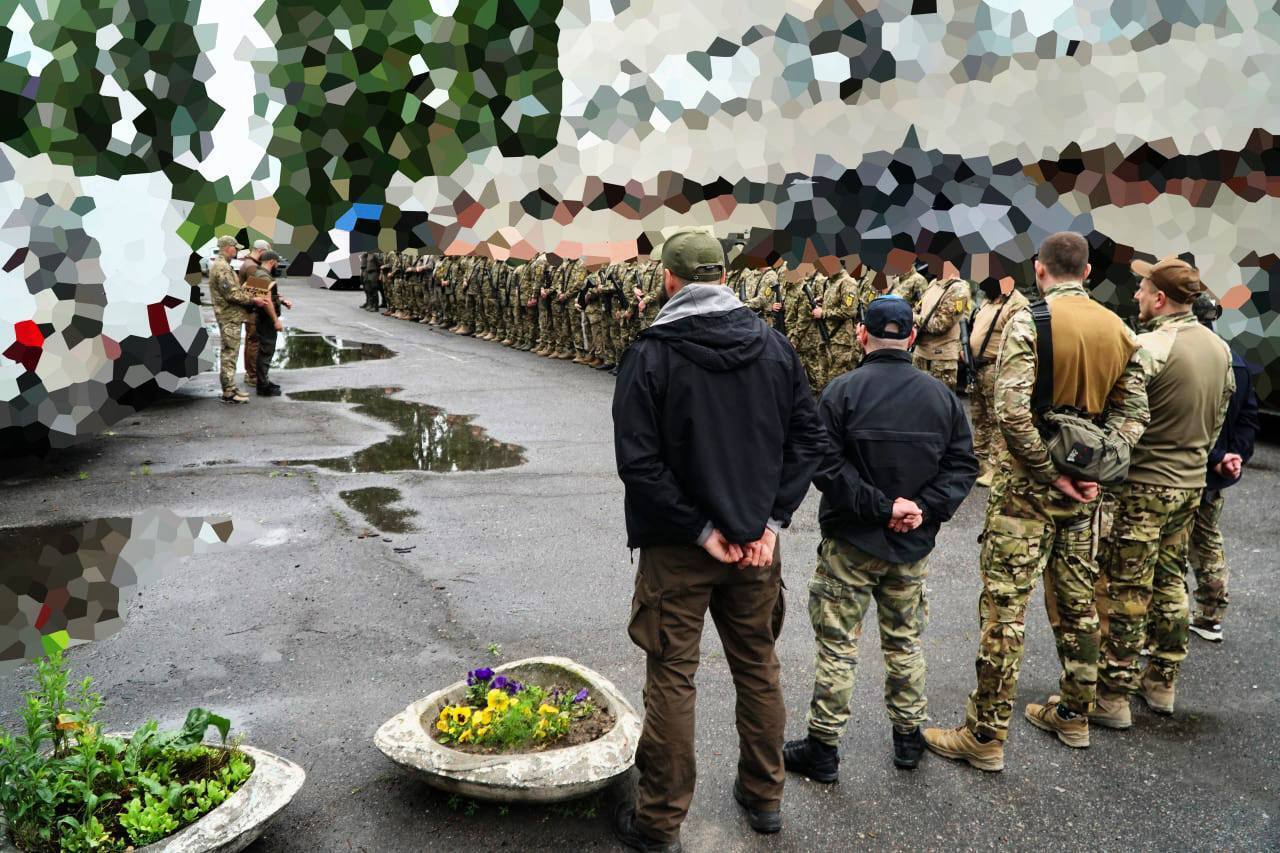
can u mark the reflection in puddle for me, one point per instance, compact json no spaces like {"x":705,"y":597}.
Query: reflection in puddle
{"x":429,"y":439}
{"x":298,"y":348}
{"x":374,"y":503}
{"x":62,"y":584}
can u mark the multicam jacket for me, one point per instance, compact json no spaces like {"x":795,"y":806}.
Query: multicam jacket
{"x":231,"y":301}
{"x":1126,"y":414}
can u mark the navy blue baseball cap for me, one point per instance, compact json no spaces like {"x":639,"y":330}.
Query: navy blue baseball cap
{"x":885,"y":311}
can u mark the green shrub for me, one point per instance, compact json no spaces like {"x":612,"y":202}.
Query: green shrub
{"x":65,"y":786}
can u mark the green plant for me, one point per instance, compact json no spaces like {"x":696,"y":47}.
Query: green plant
{"x":65,"y":786}
{"x":495,"y":649}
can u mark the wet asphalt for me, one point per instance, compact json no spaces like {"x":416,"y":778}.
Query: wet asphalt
{"x":323,"y":627}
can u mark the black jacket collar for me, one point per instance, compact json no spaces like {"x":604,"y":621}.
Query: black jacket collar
{"x":887,"y":355}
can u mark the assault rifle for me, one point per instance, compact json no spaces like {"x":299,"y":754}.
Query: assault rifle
{"x":968,"y":370}
{"x":821,"y":324}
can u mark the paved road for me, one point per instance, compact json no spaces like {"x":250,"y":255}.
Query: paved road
{"x":311,"y":642}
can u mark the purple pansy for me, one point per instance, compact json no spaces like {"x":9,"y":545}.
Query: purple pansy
{"x":580,"y":696}
{"x":479,"y":676}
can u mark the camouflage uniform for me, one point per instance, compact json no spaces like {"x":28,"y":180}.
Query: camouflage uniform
{"x":768,"y":291}
{"x":567,"y":325}
{"x":988,"y":443}
{"x":1209,"y":560}
{"x":1144,"y":559}
{"x":937,"y":349}
{"x":368,"y":279}
{"x":840,"y":312}
{"x":403,"y":262}
{"x":802,"y":329}
{"x":1031,"y":529}
{"x":843,"y":585}
{"x":231,"y":307}
{"x":910,"y":287}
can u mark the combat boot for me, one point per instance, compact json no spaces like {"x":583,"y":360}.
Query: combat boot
{"x":963,"y":745}
{"x":1110,"y":711}
{"x":579,"y":359}
{"x":812,"y":758}
{"x":1207,"y":629}
{"x":763,"y":821}
{"x":607,"y":366}
{"x":908,"y":747}
{"x":506,"y":342}
{"x":465,"y":331}
{"x":235,"y":396}
{"x":1072,"y":730}
{"x":984,"y":479}
{"x":1156,"y":692}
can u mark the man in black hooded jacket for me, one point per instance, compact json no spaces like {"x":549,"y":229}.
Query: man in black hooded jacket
{"x":717,"y":437}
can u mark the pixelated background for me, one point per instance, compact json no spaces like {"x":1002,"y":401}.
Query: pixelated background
{"x":887,"y":131}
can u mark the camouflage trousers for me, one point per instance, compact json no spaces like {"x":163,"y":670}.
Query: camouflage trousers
{"x":945,"y":369}
{"x":988,"y":442}
{"x":816,"y":361}
{"x":843,"y":585}
{"x":229,"y":350}
{"x":1032,"y":529}
{"x":1209,"y":560}
{"x":843,"y":358}
{"x":1144,"y":562}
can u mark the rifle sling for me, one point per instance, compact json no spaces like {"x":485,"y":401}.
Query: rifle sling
{"x":990,"y":331}
{"x":929,"y":317}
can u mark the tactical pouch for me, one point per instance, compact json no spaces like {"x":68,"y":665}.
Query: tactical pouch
{"x":1078,"y":447}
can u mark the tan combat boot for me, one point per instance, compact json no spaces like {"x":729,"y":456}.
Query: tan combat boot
{"x":1156,"y":692}
{"x":1073,"y":732}
{"x":959,"y":743}
{"x":984,"y":478}
{"x":1111,"y":711}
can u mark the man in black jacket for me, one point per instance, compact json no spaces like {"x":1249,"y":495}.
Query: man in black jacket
{"x":899,"y":464}
{"x":717,"y":438}
{"x":1227,"y":459}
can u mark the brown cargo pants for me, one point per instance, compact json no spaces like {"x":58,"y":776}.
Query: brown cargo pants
{"x":675,"y":586}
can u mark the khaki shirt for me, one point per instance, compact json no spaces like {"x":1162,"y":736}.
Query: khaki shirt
{"x":989,"y":325}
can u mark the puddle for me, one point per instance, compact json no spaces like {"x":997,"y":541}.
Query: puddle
{"x":298,"y":348}
{"x":374,"y":503}
{"x":64,"y":584}
{"x":429,"y":439}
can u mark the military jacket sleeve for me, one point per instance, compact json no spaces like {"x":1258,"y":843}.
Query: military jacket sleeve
{"x":1127,"y":411}
{"x":227,"y":282}
{"x":766,"y":293}
{"x":840,"y":302}
{"x":953,"y":305}
{"x":1015,"y":380}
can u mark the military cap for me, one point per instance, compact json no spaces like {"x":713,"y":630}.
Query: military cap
{"x":694,"y":255}
{"x":228,"y":240}
{"x":1174,"y":277}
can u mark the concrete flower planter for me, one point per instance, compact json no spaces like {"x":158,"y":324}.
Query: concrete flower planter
{"x":235,"y":824}
{"x":537,"y":777}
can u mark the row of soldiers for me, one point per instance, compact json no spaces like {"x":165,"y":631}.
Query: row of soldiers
{"x":565,"y":309}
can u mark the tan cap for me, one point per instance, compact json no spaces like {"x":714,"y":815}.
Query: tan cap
{"x":227,"y":240}
{"x":1174,"y":277}
{"x":694,"y":255}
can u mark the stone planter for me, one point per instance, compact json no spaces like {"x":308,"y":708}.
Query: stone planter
{"x":236,"y":823}
{"x":536,"y":777}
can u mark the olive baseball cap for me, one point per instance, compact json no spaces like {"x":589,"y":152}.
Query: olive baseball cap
{"x":227,"y":240}
{"x":1173,"y":276}
{"x":694,"y":256}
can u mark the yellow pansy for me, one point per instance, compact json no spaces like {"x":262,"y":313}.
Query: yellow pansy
{"x":548,"y":710}
{"x":482,"y":718}
{"x":461,"y":714}
{"x":465,"y":736}
{"x":498,"y":700}
{"x":442,"y":726}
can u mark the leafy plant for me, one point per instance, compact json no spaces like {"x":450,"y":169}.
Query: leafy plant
{"x":65,"y":786}
{"x":503,"y":712}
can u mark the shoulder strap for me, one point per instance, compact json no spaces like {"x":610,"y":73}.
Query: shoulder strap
{"x":924,"y":325}
{"x":991,"y":330}
{"x":1042,"y":393}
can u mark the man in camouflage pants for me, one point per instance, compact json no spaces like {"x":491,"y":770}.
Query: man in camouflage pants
{"x":1189,"y":382}
{"x":231,"y":306}
{"x":839,"y":310}
{"x":883,"y":503}
{"x":942,"y":306}
{"x":1040,"y":520}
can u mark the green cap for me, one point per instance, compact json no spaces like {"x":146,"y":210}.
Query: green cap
{"x":693,"y":255}
{"x":227,"y":240}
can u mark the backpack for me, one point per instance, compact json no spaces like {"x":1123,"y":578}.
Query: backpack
{"x":1078,"y":447}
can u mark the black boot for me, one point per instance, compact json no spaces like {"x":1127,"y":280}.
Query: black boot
{"x":764,"y":822}
{"x":812,"y":758}
{"x":907,"y":748}
{"x":272,"y":390}
{"x":630,"y":836}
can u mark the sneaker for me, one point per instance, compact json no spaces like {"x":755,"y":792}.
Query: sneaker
{"x":630,"y":836}
{"x":1111,"y":712}
{"x":606,"y":366}
{"x":963,"y":745}
{"x":251,"y":381}
{"x":813,"y":759}
{"x":762,"y":821}
{"x":1073,"y":730}
{"x":1207,"y":629}
{"x":1156,"y":692}
{"x":907,"y":748}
